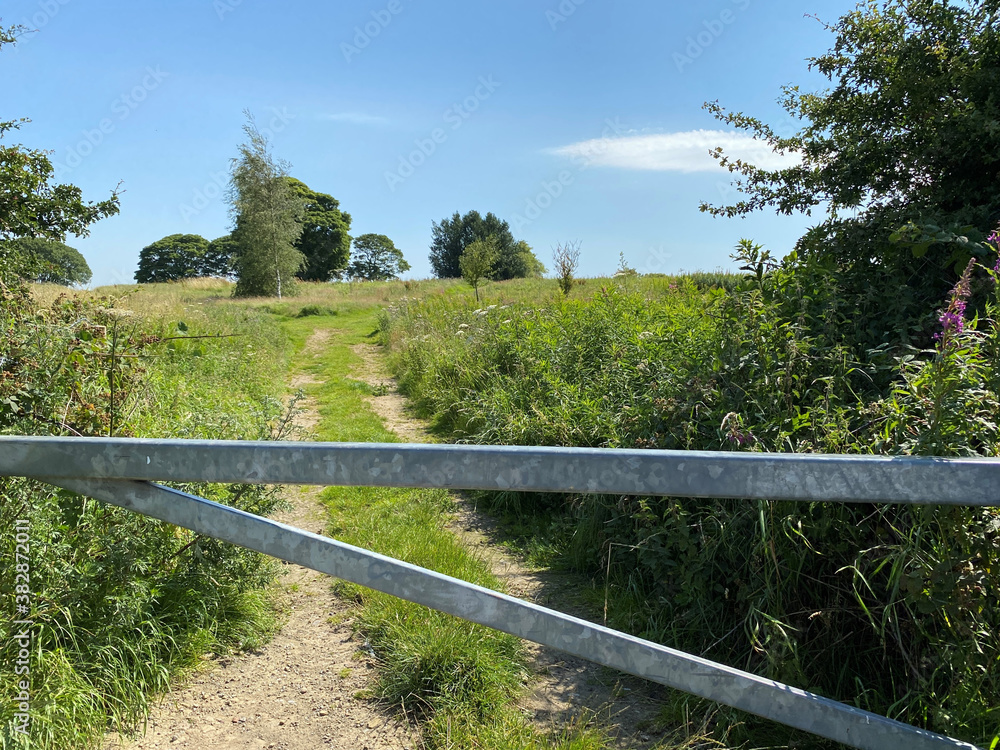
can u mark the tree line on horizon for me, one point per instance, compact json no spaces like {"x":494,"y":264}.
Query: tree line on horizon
{"x":284,"y":231}
{"x":325,"y":246}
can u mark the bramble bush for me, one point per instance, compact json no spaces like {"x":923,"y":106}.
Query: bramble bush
{"x":120,"y":602}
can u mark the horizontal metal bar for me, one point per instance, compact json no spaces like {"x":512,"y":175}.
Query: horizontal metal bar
{"x":717,"y":682}
{"x":778,"y":476}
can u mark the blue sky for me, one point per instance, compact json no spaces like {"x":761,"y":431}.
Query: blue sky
{"x":576,"y":120}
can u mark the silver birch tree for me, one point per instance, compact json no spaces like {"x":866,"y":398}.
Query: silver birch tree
{"x":267,"y":219}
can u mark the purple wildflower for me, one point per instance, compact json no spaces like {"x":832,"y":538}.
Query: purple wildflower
{"x":740,"y":438}
{"x":736,"y":433}
{"x":953,"y":318}
{"x":994,"y":239}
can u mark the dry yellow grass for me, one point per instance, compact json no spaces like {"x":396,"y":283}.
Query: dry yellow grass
{"x":173,"y":298}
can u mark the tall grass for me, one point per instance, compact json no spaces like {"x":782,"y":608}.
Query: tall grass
{"x":894,"y":609}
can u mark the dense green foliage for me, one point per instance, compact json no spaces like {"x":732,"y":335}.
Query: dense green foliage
{"x":119,"y":602}
{"x":267,"y":216}
{"x":31,"y":206}
{"x":53,"y":262}
{"x":221,"y":256}
{"x":376,"y":258}
{"x":449,"y":239}
{"x":892,"y":608}
{"x":903,"y":154}
{"x":184,"y":256}
{"x":324,"y":243}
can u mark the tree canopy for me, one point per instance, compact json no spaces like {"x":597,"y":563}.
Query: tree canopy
{"x":477,"y":262}
{"x":450,"y":238}
{"x":325,"y":241}
{"x":267,"y":217}
{"x":220,"y":257}
{"x":54,"y":262}
{"x":520,"y":264}
{"x":902,"y":153}
{"x":376,"y":258}
{"x":179,"y":256}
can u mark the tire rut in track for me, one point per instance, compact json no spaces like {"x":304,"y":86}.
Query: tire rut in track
{"x":565,"y":688}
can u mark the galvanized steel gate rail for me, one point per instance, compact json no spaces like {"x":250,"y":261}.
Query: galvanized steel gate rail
{"x":120,"y":472}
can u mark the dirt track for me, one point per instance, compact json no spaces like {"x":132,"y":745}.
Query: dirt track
{"x":306,"y":688}
{"x":298,"y":692}
{"x":565,"y":688}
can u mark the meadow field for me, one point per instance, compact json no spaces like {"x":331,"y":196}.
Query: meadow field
{"x":890,"y":608}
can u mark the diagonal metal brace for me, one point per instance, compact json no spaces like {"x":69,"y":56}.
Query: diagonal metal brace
{"x":748,"y":692}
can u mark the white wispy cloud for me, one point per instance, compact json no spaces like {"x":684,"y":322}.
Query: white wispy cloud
{"x":675,"y":152}
{"x":355,"y":118}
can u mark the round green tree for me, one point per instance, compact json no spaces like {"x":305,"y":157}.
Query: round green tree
{"x":450,"y":238}
{"x":179,"y":256}
{"x":376,"y":258}
{"x":219,"y":257}
{"x":477,"y":262}
{"x":325,"y":242}
{"x":54,"y":262}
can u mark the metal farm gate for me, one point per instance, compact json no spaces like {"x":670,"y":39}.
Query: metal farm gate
{"x":121,"y":472}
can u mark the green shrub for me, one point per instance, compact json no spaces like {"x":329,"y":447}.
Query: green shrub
{"x":310,"y":310}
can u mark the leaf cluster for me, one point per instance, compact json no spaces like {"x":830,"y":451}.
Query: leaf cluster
{"x":901,"y":154}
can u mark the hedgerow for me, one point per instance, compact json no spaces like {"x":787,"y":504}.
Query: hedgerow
{"x":892,"y":608}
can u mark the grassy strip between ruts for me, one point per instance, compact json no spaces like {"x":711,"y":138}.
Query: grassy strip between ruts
{"x":460,"y":679}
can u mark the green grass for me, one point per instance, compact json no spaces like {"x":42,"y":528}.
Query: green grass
{"x":706,"y":362}
{"x":461,"y":680}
